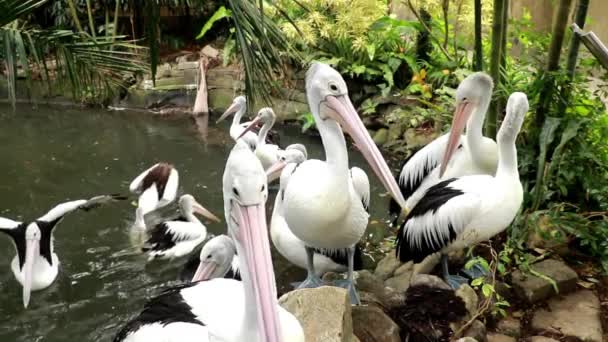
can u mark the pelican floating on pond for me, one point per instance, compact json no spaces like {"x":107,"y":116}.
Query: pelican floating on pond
{"x":224,"y":309}
{"x":454,"y":154}
{"x":178,"y":237}
{"x":36,"y":265}
{"x":321,"y":205}
{"x":460,"y":212}
{"x":216,"y":259}
{"x":239,"y":106}
{"x":156,"y":187}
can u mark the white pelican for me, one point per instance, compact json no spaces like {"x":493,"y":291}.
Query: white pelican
{"x":461,"y":212}
{"x":224,"y":309}
{"x":156,"y":187}
{"x":36,"y":265}
{"x":268,"y":154}
{"x":294,"y":153}
{"x":452,"y":154}
{"x":216,"y":259}
{"x":180,"y":236}
{"x":321,"y":205}
{"x":294,"y":249}
{"x":239,"y":106}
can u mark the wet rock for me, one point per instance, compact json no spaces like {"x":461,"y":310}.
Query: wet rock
{"x":371,"y":324}
{"x":399,"y":283}
{"x":469,"y":297}
{"x":509,"y":326}
{"x":541,"y":339}
{"x":494,"y":337}
{"x":430,"y":281}
{"x":381,"y":136}
{"x":387,"y":266}
{"x":408,"y":267}
{"x":477,"y":330}
{"x":395,"y":130}
{"x":428,"y":264}
{"x":324,"y":313}
{"x":576,"y":315}
{"x":534,"y":289}
{"x":366,"y":281}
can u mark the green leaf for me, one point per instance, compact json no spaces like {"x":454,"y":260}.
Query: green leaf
{"x":477,"y":281}
{"x":371,"y":51}
{"x":221,"y":13}
{"x":487,"y":290}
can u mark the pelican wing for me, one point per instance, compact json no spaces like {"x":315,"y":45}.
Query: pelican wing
{"x":135,"y":186}
{"x":361,"y":185}
{"x":8,"y":224}
{"x":166,"y":235}
{"x":59,"y":211}
{"x":439,"y":217}
{"x":170,"y":189}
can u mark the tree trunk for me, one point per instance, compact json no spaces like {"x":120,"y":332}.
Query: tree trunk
{"x":547,"y":79}
{"x":497,"y":26}
{"x":445,"y":7}
{"x":501,"y":101}
{"x":478,"y":64}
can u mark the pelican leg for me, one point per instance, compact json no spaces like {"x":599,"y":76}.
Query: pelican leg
{"x":312,"y":280}
{"x":349,"y":282}
{"x":453,"y":280}
{"x":476,"y":271}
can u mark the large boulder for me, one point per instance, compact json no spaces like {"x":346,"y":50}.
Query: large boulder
{"x":534,"y":289}
{"x":371,"y":324}
{"x":324,"y":313}
{"x":387,"y":266}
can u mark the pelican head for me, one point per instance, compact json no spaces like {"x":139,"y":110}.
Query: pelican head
{"x":517,"y":107}
{"x":294,"y":153}
{"x":238,"y":104}
{"x":473,"y":92}
{"x":328,"y":98}
{"x":265,"y":116}
{"x":188,"y":205}
{"x":245,"y":194}
{"x":216,"y":258}
{"x":32,"y":250}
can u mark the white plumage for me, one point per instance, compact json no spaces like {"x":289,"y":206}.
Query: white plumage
{"x":156,"y":187}
{"x":239,"y":106}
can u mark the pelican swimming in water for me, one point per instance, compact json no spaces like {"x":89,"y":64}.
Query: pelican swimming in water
{"x":156,"y":187}
{"x":216,"y":259}
{"x":224,"y":309}
{"x":36,"y":265}
{"x":321,"y":204}
{"x":460,"y":212}
{"x":239,"y":106}
{"x":180,"y":236}
{"x":454,"y":154}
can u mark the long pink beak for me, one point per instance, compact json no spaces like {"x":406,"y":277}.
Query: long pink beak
{"x":32,"y":248}
{"x":204,"y":271}
{"x":233,"y":108}
{"x":274,"y":171}
{"x":352,"y":124}
{"x":461,"y":116}
{"x":253,"y":124}
{"x":206,"y":213}
{"x":253,"y":237}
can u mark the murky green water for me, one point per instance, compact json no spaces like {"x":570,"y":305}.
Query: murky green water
{"x":50,"y":155}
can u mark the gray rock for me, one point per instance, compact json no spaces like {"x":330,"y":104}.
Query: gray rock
{"x":494,"y":337}
{"x":430,"y":281}
{"x":534,"y":289}
{"x":541,"y":339}
{"x":182,"y":65}
{"x":576,"y":315}
{"x":381,"y":138}
{"x":366,"y":281}
{"x":428,"y":264}
{"x":407,"y":267}
{"x":399,"y":283}
{"x":469,"y":297}
{"x":477,"y":330}
{"x":210,"y":51}
{"x":509,"y":326}
{"x":164,"y":70}
{"x":324,"y":313}
{"x":387,"y":266}
{"x":395,"y":130}
{"x":371,"y":324}
{"x":466,"y":339}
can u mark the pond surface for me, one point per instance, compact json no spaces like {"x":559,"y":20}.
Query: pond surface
{"x":51,"y":155}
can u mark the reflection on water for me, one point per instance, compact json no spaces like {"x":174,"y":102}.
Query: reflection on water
{"x":51,"y":155}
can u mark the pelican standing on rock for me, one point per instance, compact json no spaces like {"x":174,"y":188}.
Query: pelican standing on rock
{"x":454,"y":154}
{"x":321,"y":204}
{"x":239,"y":107}
{"x":460,"y":212}
{"x":36,"y":265}
{"x":216,"y":259}
{"x":156,"y":187}
{"x":178,"y":237}
{"x":224,"y":309}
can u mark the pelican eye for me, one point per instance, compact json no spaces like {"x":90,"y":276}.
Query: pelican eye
{"x":333,"y":87}
{"x":235,"y":192}
{"x":263,"y":187}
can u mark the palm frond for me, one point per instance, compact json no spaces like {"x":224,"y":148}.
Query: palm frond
{"x":11,"y":10}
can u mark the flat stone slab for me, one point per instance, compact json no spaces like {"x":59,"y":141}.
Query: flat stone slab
{"x":510,"y":326}
{"x":576,"y":315}
{"x":494,"y":337}
{"x":534,"y":289}
{"x":541,"y":339}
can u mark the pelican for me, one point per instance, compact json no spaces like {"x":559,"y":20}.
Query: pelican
{"x":36,"y":265}
{"x":239,"y":106}
{"x":460,"y":212}
{"x":268,"y":154}
{"x":452,"y":154}
{"x":294,"y":153}
{"x":225,"y":309}
{"x":156,"y":187}
{"x":294,"y":249}
{"x":178,"y":237}
{"x":216,"y":259}
{"x":321,"y":205}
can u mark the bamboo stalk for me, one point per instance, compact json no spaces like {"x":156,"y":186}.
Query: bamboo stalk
{"x":497,"y":26}
{"x":115,"y":27}
{"x":74,"y":14}
{"x":107,"y":21}
{"x":91,"y":21}
{"x":501,"y":100}
{"x":478,"y":64}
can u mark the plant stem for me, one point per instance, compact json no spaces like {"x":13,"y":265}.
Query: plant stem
{"x":497,"y":26}
{"x":74,"y":14}
{"x":91,"y":21}
{"x":115,"y":27}
{"x":445,"y":7}
{"x":478,"y":65}
{"x":107,"y":21}
{"x":444,"y":51}
{"x":501,"y":100}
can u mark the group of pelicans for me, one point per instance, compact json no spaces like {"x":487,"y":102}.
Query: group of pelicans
{"x":455,"y":192}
